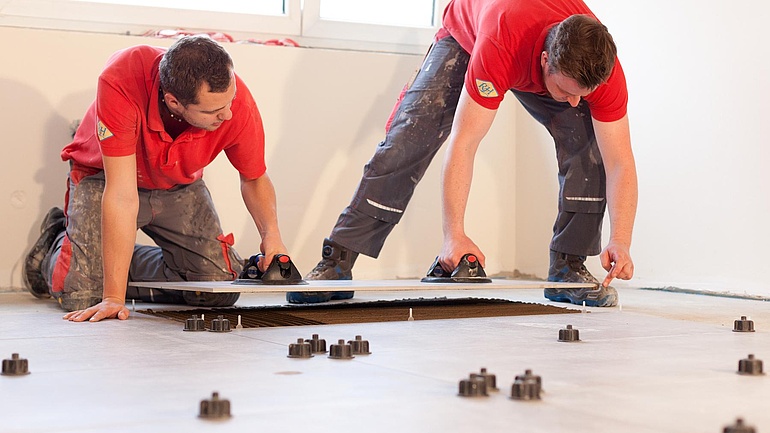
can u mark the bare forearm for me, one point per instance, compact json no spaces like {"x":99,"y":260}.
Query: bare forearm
{"x":457,"y":175}
{"x":622,"y":190}
{"x":118,"y":239}
{"x":470,"y":125}
{"x":259,"y":197}
{"x":622,"y":196}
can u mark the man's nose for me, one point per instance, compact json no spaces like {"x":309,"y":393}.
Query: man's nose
{"x":573,"y":100}
{"x":226,"y":114}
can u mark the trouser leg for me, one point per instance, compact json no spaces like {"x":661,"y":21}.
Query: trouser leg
{"x":74,"y":265}
{"x":184,"y":225}
{"x":186,"y":229}
{"x":421,"y":122}
{"x":582,"y":182}
{"x":182,"y":222}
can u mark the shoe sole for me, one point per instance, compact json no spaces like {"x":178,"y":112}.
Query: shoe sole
{"x":33,"y":278}
{"x":603,"y":302}
{"x":607,"y":301}
{"x":198,"y":299}
{"x":316,"y":297}
{"x":32,"y":286}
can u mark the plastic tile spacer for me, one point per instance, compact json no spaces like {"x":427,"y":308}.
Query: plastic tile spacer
{"x":475,"y":386}
{"x":300,"y":349}
{"x":526,"y":387}
{"x":220,"y":324}
{"x":750,"y":366}
{"x":341,"y":351}
{"x":739,"y":427}
{"x":195,"y":324}
{"x":215,"y":408}
{"x":15,"y":366}
{"x":317,"y":345}
{"x":489,"y":378}
{"x":743,"y":325}
{"x":569,"y":334}
{"x":359,"y":346}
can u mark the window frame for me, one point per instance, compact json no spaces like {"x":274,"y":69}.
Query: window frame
{"x":302,"y":23}
{"x":139,"y":20}
{"x":313,"y":26}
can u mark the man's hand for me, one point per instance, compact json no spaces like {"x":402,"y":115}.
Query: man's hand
{"x":616,"y":260}
{"x":270,"y":246}
{"x":107,"y":309}
{"x":455,"y":248}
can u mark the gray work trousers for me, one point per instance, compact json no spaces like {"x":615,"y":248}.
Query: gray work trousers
{"x":421,"y":123}
{"x":181,"y":221}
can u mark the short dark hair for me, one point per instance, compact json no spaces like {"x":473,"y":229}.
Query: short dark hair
{"x":581,"y":48}
{"x":192,"y":61}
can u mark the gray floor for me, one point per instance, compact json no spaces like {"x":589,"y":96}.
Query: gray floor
{"x":664,"y":362}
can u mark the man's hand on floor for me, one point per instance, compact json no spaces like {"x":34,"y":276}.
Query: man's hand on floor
{"x":107,"y":309}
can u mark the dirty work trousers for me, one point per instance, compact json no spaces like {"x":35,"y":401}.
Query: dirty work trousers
{"x":419,"y":125}
{"x":181,"y":221}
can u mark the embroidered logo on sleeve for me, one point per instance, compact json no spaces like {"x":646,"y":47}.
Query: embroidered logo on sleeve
{"x":102,"y":132}
{"x":486,"y":88}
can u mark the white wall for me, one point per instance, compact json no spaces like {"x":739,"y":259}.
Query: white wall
{"x":699,"y":88}
{"x":698,"y":84}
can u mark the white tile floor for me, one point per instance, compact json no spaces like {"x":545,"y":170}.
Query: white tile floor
{"x":664,"y":362}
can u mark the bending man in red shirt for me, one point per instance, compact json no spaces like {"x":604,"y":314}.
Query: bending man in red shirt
{"x":136,"y":162}
{"x":561,"y":63}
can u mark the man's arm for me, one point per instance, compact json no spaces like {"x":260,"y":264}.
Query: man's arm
{"x":259,"y":197}
{"x":471,"y":124}
{"x":120,"y":205}
{"x":614,"y":142}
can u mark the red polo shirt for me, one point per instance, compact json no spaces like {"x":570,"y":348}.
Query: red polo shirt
{"x":505,"y":39}
{"x":125,"y":120}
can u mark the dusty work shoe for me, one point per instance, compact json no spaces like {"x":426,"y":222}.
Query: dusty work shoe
{"x":336,"y":264}
{"x":53,"y":224}
{"x":206,"y":299}
{"x":567,"y":268}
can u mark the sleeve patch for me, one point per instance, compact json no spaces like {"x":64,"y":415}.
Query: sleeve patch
{"x":102,"y":132}
{"x":486,"y":89}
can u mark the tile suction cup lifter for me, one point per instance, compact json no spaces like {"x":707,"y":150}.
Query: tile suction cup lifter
{"x":469,"y":270}
{"x":280,"y":272}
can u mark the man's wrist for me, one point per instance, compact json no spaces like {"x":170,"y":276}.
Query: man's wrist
{"x":621,"y":241}
{"x":115,"y":299}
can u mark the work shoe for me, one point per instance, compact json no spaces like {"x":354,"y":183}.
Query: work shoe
{"x":53,"y":224}
{"x":206,"y":299}
{"x":336,"y":264}
{"x":567,"y":268}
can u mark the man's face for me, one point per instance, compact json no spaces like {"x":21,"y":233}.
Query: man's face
{"x":212,"y":109}
{"x":560,"y":87}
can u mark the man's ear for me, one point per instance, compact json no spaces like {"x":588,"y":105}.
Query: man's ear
{"x":543,"y":59}
{"x":171,"y":101}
